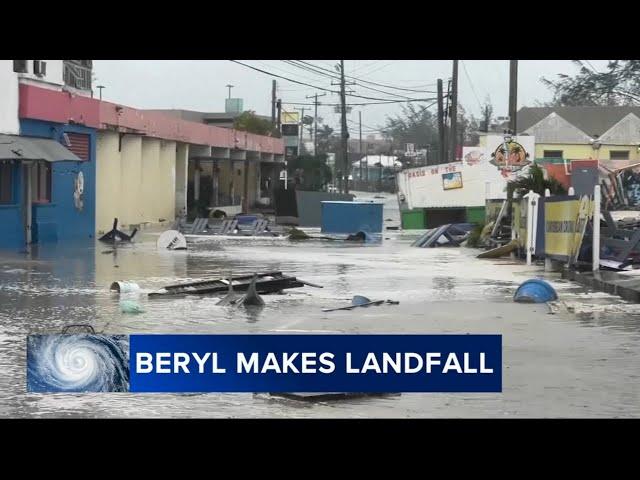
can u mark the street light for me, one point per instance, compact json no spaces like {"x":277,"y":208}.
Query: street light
{"x":100,"y":87}
{"x":229,"y":86}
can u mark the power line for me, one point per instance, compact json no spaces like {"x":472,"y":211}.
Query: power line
{"x":363,"y":104}
{"x":464,"y":67}
{"x":320,"y":72}
{"x":309,"y":85}
{"x":370,"y":82}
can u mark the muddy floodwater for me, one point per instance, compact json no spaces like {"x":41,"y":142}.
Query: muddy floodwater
{"x":582,"y":360}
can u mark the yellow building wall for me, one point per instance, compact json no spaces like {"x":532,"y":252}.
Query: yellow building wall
{"x":135,"y":184}
{"x":107,"y":181}
{"x":131,"y":209}
{"x":585,"y":152}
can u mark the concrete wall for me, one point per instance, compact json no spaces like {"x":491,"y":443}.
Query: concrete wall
{"x":136,"y":183}
{"x":54,"y":72}
{"x":181,"y":173}
{"x":9,"y":122}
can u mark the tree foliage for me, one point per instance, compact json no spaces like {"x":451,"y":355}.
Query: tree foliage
{"x":535,"y":181}
{"x":249,"y":122}
{"x":618,"y":85}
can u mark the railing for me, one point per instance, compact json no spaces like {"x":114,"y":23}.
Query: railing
{"x":77,"y":74}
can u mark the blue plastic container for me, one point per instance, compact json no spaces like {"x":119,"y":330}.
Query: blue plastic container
{"x":535,"y":291}
{"x":351,"y":217}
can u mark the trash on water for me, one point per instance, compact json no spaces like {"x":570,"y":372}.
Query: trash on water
{"x":116,"y":235}
{"x":252,"y":298}
{"x":500,"y":251}
{"x":448,"y":235}
{"x":231,"y":297}
{"x":329,"y":396}
{"x":124,"y":287}
{"x":535,"y":291}
{"x":171,"y":240}
{"x":267,"y":282}
{"x":130,"y":306}
{"x":361,"y":301}
{"x":78,"y":328}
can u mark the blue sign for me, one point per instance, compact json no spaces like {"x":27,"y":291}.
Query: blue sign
{"x":315,"y":363}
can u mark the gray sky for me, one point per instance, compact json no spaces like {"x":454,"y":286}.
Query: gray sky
{"x":200,"y":84}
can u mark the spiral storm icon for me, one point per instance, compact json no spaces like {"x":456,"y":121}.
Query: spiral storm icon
{"x":78,"y":363}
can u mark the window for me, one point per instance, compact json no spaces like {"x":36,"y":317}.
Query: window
{"x":41,"y":182}
{"x":619,"y":155}
{"x":552,"y":154}
{"x":20,"y":66}
{"x":6,"y":182}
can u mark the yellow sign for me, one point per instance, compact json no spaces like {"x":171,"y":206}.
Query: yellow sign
{"x":585,"y":212}
{"x":290,"y":117}
{"x":560,"y":218}
{"x":519,"y":223}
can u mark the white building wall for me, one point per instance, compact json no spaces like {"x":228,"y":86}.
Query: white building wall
{"x":54,"y":72}
{"x":9,"y":122}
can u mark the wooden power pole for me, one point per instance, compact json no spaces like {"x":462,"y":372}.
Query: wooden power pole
{"x":513,"y":96}
{"x":344,"y":133}
{"x":442,"y":157}
{"x":453,"y":118}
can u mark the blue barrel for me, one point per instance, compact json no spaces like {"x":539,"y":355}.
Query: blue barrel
{"x":535,"y":291}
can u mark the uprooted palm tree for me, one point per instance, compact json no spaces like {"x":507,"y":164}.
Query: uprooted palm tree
{"x":535,"y":181}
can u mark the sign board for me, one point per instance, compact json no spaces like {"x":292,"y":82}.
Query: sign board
{"x":451,"y":181}
{"x":290,"y":117}
{"x":561,"y":215}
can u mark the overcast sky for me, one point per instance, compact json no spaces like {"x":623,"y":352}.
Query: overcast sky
{"x":201,"y":84}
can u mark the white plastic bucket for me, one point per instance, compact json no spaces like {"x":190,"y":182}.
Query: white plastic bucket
{"x":124,"y":287}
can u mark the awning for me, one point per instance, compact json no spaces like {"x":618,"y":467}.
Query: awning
{"x":17,"y":147}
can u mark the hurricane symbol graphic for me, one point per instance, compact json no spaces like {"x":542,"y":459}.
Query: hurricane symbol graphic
{"x":78,"y":363}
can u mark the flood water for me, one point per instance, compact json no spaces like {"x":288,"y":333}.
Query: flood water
{"x":581,"y":361}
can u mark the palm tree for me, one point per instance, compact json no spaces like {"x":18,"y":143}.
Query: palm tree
{"x":535,"y":181}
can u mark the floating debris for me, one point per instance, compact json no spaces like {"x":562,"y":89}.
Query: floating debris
{"x":500,"y":251}
{"x":171,"y":240}
{"x":330,"y":396}
{"x":252,"y":298}
{"x":129,"y":306}
{"x":268,"y":282}
{"x":360,"y":301}
{"x":449,"y":235}
{"x":535,"y":291}
{"x":116,"y":235}
{"x":231,"y":297}
{"x":124,"y":287}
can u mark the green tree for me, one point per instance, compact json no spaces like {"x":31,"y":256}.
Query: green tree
{"x":249,"y":122}
{"x":535,"y":181}
{"x":416,"y":124}
{"x":327,"y":140}
{"x":618,"y":85}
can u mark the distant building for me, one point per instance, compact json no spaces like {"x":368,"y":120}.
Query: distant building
{"x":218,"y":119}
{"x":608,"y":134}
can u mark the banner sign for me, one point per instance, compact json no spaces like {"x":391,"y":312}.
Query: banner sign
{"x":566,"y":218}
{"x":264,"y":363}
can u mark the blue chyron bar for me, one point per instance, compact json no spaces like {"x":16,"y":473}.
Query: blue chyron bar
{"x":77,"y":363}
{"x":316,"y":363}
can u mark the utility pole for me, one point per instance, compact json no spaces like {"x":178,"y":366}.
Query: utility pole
{"x":229,"y":86}
{"x":273,"y":102}
{"x":360,"y":144}
{"x":441,"y":139}
{"x":315,"y":121}
{"x":344,"y":133}
{"x":453,"y":118}
{"x":279,"y":117}
{"x":301,"y":131}
{"x":513,"y":96}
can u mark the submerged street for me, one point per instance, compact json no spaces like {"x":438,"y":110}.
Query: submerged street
{"x":578,"y":358}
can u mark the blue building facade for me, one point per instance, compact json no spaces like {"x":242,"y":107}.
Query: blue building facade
{"x":64,"y":205}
